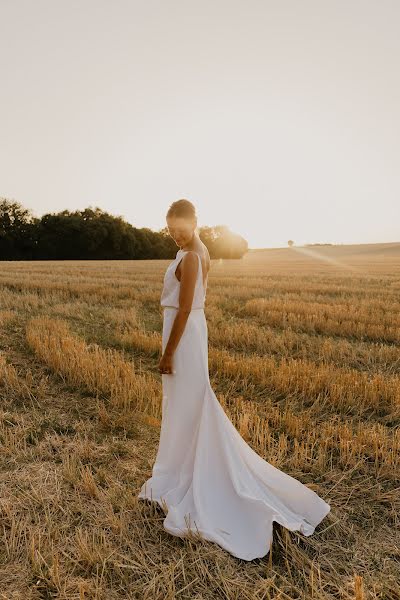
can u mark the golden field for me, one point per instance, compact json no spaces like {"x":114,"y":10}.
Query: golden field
{"x":304,"y":356}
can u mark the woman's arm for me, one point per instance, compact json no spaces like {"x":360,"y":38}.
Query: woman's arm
{"x":189,"y":269}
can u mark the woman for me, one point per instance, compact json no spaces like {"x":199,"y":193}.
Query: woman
{"x":205,"y":476}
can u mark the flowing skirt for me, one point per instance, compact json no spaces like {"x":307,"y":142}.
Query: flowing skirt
{"x":207,"y":477}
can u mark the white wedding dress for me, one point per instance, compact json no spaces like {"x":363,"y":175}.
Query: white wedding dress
{"x":211,"y":481}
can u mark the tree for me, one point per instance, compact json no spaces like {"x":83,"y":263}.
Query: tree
{"x":224,"y":243}
{"x":17,"y":235}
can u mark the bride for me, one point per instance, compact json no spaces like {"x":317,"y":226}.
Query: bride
{"x":205,"y":476}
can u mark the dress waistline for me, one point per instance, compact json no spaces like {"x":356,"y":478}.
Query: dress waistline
{"x":200,"y":308}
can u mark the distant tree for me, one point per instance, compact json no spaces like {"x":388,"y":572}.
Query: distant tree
{"x":87,"y":234}
{"x":222,"y":242}
{"x":17,"y":231}
{"x":317,"y":244}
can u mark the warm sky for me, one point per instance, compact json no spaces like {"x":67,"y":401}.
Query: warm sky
{"x":280,"y":119}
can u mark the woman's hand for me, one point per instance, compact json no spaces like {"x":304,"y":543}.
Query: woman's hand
{"x":165,"y":365}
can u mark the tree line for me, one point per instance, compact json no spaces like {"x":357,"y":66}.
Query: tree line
{"x":94,"y":234}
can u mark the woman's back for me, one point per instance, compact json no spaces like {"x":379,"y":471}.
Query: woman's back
{"x":170,"y":292}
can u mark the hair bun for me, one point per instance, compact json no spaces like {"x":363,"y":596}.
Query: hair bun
{"x":182,"y":208}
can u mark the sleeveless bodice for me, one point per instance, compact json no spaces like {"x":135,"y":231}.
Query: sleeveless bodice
{"x":170,"y":292}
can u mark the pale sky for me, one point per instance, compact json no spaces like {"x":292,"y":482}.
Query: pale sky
{"x":280,"y":119}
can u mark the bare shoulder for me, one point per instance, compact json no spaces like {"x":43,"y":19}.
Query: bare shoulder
{"x":190,"y":258}
{"x":204,"y":257}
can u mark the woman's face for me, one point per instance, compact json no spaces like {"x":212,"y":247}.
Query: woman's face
{"x":181,"y":230}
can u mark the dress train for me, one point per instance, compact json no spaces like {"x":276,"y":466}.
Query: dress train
{"x":211,"y":481}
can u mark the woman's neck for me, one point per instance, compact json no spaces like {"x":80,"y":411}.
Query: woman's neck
{"x":193,"y":244}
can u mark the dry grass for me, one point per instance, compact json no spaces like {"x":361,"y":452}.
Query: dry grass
{"x":304,"y":357}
